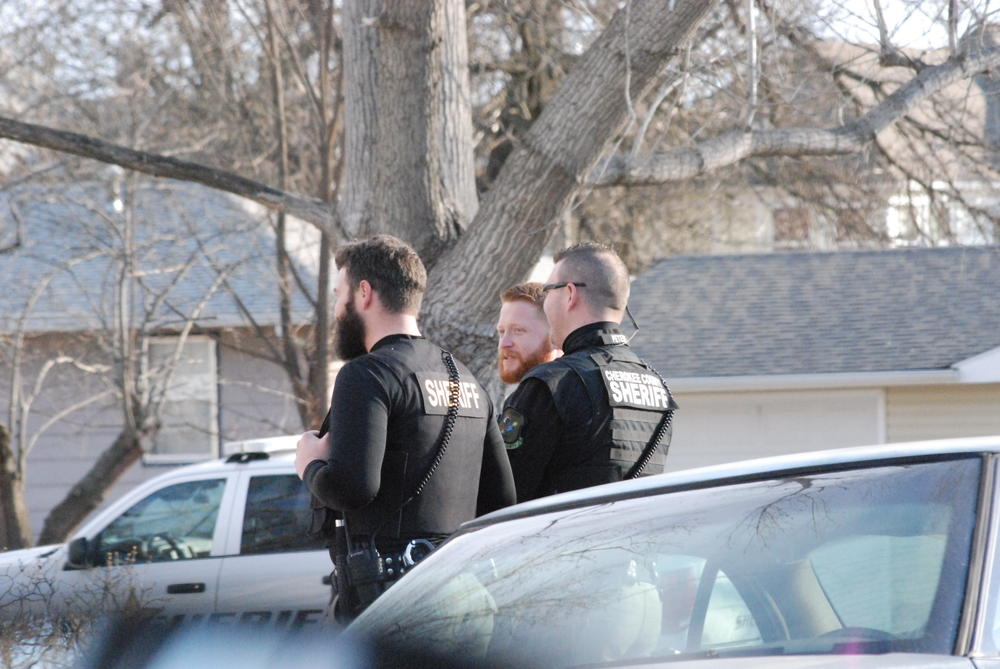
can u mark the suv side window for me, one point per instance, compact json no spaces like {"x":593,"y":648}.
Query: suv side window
{"x":173,"y":523}
{"x":277,"y":516}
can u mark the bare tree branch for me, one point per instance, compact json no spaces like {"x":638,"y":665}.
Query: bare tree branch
{"x":890,"y":56}
{"x":18,"y":231}
{"x":952,"y":27}
{"x":311,"y":210}
{"x":753,"y":72}
{"x":731,"y":148}
{"x":62,"y":413}
{"x":546,"y":170}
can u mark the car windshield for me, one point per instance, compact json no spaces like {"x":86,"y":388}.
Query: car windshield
{"x":868,"y":560}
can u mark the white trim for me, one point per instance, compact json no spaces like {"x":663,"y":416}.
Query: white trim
{"x":176,"y":458}
{"x":808,"y":381}
{"x":981,"y":368}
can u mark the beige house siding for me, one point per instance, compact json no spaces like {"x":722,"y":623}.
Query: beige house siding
{"x":255,"y":397}
{"x":711,"y":428}
{"x":939,"y":412}
{"x":254,"y":401}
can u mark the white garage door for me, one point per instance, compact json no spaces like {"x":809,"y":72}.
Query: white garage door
{"x":710,"y":428}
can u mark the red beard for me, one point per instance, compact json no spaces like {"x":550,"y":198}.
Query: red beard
{"x":525,"y":365}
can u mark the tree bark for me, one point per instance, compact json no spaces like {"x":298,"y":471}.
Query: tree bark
{"x":329,"y":182}
{"x":15,"y":526}
{"x":360,"y":45}
{"x":545,"y":171}
{"x":91,"y":490}
{"x":409,"y":152}
{"x":538,"y":182}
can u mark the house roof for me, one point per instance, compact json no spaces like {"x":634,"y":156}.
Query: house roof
{"x":818,"y":313}
{"x":70,"y":255}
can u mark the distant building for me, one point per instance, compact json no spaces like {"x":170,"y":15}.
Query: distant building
{"x":783,"y":352}
{"x":201,"y":265}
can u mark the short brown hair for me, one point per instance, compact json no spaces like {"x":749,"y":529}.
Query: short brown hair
{"x":601,"y":269}
{"x":529,"y":291}
{"x":391,"y":266}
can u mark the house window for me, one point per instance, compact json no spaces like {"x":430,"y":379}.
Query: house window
{"x":791,"y":225}
{"x":186,"y":375}
{"x":908,"y":218}
{"x":914,"y":218}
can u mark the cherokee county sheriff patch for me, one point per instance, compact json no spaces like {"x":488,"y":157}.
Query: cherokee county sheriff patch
{"x":628,"y":388}
{"x":511,"y":421}
{"x":435,"y":388}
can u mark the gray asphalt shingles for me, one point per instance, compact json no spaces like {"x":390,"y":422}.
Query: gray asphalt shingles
{"x":68,"y":247}
{"x":804,"y":313}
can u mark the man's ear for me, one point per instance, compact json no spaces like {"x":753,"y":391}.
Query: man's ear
{"x":574,"y":299}
{"x":365,"y":294}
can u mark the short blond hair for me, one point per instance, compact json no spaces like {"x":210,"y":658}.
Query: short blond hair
{"x":601,"y":269}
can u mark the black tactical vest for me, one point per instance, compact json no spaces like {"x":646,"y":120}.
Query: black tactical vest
{"x":626,"y":401}
{"x":449,"y":498}
{"x":418,"y":381}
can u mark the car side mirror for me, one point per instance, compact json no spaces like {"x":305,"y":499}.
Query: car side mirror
{"x":77,"y":554}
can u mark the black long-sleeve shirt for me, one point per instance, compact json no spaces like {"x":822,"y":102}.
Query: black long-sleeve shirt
{"x":387,"y":411}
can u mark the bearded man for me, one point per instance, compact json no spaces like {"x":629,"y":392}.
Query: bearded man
{"x":415,"y":450}
{"x":599,"y":413}
{"x":522,"y":332}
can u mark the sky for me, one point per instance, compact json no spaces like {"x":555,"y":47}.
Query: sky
{"x":919,"y":25}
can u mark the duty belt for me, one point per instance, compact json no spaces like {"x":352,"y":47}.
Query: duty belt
{"x":368,"y":566}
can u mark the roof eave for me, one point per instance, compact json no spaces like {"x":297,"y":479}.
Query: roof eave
{"x":981,"y":368}
{"x":817,"y":381}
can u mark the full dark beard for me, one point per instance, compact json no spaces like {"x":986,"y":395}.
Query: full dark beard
{"x":349,"y":334}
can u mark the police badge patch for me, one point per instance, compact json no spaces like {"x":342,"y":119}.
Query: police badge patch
{"x":511,"y":422}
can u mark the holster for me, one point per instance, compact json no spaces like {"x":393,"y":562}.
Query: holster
{"x":322,"y":521}
{"x":344,"y":605}
{"x":366,"y":571}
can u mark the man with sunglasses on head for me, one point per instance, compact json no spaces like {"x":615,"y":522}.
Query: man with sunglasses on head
{"x":599,"y":413}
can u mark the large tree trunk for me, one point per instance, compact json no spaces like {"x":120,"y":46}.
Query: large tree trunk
{"x":91,"y":490}
{"x":15,"y":526}
{"x":408,"y":146}
{"x":538,"y":182}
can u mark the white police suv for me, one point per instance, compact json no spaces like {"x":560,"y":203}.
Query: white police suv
{"x":219,"y":541}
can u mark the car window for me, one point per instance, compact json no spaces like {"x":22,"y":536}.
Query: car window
{"x":728,"y":619}
{"x":881,"y":582}
{"x":277,"y":516}
{"x":689,"y":589}
{"x":866,"y":561}
{"x":173,"y":523}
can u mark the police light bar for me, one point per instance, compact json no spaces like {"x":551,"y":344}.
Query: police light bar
{"x":281,"y":444}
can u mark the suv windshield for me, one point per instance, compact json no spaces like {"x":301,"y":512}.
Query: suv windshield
{"x":863,"y":561}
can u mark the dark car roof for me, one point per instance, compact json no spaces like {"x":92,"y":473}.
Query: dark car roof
{"x":743,"y":470}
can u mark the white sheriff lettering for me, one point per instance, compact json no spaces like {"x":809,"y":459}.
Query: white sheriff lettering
{"x":616,"y":391}
{"x":437,"y":392}
{"x":469,"y":397}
